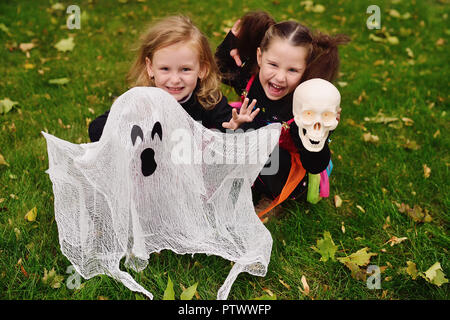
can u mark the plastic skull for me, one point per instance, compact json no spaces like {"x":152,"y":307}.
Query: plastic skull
{"x":315,"y":108}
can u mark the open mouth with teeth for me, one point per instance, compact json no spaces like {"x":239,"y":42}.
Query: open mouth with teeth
{"x":174,"y":89}
{"x":276,"y":89}
{"x":314,"y":142}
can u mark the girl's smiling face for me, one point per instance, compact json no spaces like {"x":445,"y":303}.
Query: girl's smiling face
{"x":281,"y":68}
{"x":175,"y":69}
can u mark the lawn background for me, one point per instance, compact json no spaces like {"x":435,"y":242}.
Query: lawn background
{"x":404,"y":80}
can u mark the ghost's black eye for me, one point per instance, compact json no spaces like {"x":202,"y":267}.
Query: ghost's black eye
{"x":157,"y":129}
{"x":136,"y":131}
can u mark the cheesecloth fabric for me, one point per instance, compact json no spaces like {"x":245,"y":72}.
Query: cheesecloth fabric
{"x":158,"y":180}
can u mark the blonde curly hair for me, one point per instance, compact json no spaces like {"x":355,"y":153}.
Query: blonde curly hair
{"x":170,"y":31}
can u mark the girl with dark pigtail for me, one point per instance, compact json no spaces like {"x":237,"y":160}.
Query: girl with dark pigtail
{"x":266,"y":61}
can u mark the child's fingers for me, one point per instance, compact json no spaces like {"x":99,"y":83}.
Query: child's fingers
{"x":251,"y":106}
{"x":234,"y":114}
{"x":235,"y":28}
{"x":226,"y":125}
{"x":229,"y":125}
{"x":244,"y":105}
{"x":254,"y":113}
{"x":234,"y":53}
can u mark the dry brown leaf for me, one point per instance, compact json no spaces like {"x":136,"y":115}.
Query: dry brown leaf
{"x":387,"y":223}
{"x":426,"y":171}
{"x":354,"y":124}
{"x":416,"y":213}
{"x":380,"y":118}
{"x":305,"y":285}
{"x":361,"y":97}
{"x":285,"y":284}
{"x":436,"y":134}
{"x":408,"y":122}
{"x":394,"y":240}
{"x":268,"y":291}
{"x":411,"y":144}
{"x":26,"y":46}
{"x":440,"y":42}
{"x":368,"y":137}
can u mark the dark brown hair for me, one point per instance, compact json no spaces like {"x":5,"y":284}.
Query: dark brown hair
{"x":251,"y":31}
{"x":323,"y":57}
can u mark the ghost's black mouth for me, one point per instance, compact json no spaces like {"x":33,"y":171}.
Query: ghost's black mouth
{"x":148,"y":162}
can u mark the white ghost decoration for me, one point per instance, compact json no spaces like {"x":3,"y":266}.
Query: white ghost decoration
{"x":158,"y":180}
{"x":315,"y":107}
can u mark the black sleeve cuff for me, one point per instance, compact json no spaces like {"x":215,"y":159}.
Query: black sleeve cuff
{"x":96,"y":127}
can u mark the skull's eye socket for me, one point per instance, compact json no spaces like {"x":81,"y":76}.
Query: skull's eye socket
{"x":308,"y":116}
{"x":328,"y":118}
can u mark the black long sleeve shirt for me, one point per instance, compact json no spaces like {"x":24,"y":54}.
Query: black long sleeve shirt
{"x":211,"y":118}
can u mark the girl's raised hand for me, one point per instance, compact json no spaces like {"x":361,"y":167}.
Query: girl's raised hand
{"x":245,"y":115}
{"x":235,"y":28}
{"x":235,"y":53}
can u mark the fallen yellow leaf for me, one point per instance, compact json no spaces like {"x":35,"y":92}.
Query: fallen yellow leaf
{"x":31,"y":215}
{"x":3,"y":161}
{"x":359,"y":258}
{"x":435,"y":275}
{"x":412,"y":270}
{"x":337,"y":201}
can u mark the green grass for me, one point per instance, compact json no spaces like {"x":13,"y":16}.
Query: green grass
{"x":372,"y":176}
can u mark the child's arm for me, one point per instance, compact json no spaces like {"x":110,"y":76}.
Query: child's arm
{"x":231,"y":72}
{"x":313,"y":162}
{"x":96,"y":127}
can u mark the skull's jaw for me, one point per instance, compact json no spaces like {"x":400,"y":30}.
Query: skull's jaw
{"x":313,"y":144}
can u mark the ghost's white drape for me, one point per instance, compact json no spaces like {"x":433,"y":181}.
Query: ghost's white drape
{"x":158,"y":180}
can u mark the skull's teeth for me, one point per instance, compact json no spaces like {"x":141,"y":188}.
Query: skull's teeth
{"x":314,"y":142}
